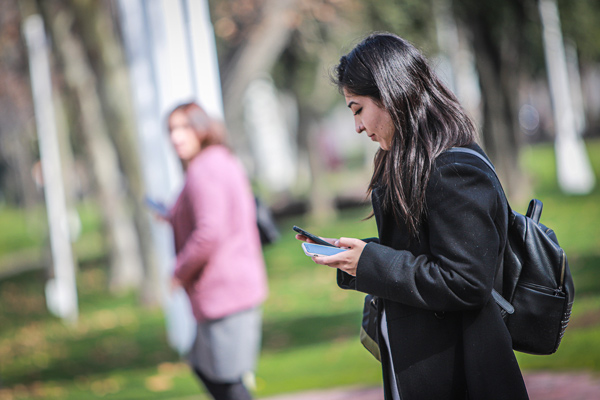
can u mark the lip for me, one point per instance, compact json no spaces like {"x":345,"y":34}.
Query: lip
{"x":373,"y":137}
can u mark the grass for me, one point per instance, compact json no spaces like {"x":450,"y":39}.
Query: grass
{"x":118,"y":350}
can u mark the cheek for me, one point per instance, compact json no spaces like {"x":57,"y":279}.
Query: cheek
{"x":174,"y":136}
{"x":189,"y":137}
{"x":387,"y":131}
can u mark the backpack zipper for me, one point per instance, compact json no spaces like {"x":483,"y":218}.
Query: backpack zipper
{"x":544,"y":289}
{"x":563,"y":264}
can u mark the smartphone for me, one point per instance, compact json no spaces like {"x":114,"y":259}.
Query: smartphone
{"x":311,"y":249}
{"x":312,"y":237}
{"x":157,"y":207}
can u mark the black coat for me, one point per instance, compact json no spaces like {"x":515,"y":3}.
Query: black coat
{"x":447,"y":337}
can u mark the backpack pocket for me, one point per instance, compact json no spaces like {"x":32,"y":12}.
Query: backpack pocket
{"x":538,"y":318}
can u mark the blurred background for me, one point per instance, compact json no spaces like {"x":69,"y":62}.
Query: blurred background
{"x":84,"y":90}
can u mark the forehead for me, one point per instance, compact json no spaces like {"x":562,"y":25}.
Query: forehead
{"x":178,"y":117}
{"x":350,"y":97}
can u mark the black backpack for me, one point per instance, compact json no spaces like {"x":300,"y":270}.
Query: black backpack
{"x":537,"y":287}
{"x":267,"y":227}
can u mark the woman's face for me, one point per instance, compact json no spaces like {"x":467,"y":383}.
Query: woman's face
{"x":372,"y":119}
{"x":183,"y":137}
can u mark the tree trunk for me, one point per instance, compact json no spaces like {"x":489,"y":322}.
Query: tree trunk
{"x":99,"y":36}
{"x":17,"y":131}
{"x":497,"y":59}
{"x":61,"y":290}
{"x":125,"y":261}
{"x":257,"y":56}
{"x":455,"y":47}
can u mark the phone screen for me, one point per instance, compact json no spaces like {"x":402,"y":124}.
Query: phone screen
{"x":157,"y":207}
{"x":311,"y":249}
{"x":312,"y":237}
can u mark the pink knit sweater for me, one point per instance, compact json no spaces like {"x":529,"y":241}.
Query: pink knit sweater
{"x":219,"y":256}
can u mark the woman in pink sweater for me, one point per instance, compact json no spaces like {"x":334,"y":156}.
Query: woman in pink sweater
{"x":219,"y":256}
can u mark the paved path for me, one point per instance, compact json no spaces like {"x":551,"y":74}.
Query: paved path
{"x":566,"y":386}
{"x":335,"y":394}
{"x":540,"y":385}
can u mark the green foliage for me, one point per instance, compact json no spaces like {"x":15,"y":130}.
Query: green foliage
{"x":579,"y":20}
{"x":411,"y":19}
{"x":118,"y":350}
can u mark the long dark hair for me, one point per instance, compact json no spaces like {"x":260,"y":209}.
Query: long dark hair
{"x":428,"y":118}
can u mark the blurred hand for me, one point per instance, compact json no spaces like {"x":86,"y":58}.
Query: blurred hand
{"x":175,"y":284}
{"x":160,"y":217}
{"x":346,"y":261}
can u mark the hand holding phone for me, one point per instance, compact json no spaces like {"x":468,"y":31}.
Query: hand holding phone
{"x":347,"y":262}
{"x":312,"y":237}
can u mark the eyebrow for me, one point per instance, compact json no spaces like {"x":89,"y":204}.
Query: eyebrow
{"x":352,"y":102}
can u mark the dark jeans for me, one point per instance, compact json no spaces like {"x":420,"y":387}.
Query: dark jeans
{"x":224,"y":391}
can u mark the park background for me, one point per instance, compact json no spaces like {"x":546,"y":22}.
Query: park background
{"x":293,"y":133}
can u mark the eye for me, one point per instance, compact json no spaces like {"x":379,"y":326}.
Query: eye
{"x":358,"y":111}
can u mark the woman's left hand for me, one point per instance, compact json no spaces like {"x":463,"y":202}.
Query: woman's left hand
{"x":346,"y":261}
{"x":175,"y":284}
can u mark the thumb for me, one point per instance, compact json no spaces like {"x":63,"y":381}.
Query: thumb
{"x":345,"y":242}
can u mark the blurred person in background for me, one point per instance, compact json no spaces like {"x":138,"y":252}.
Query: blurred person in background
{"x":442,"y":223}
{"x":219,"y":256}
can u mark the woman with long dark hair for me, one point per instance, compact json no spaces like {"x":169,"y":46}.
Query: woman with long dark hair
{"x":219,"y":256}
{"x":442,"y":224}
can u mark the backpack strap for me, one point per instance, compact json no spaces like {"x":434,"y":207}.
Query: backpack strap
{"x":472,"y":152}
{"x":534,"y":211}
{"x":501,"y":301}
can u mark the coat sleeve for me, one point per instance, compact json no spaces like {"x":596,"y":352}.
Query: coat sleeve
{"x":207,"y":199}
{"x":464,"y":242}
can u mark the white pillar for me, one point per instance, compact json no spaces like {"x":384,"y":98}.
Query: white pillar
{"x":61,"y":290}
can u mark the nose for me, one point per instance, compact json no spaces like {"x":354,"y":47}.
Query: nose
{"x":358,"y":126}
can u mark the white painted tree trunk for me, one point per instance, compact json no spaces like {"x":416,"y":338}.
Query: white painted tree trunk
{"x":456,"y":51}
{"x":575,"y":175}
{"x":172,"y":59}
{"x":126,"y":266}
{"x":270,"y":139}
{"x":61,"y":291}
